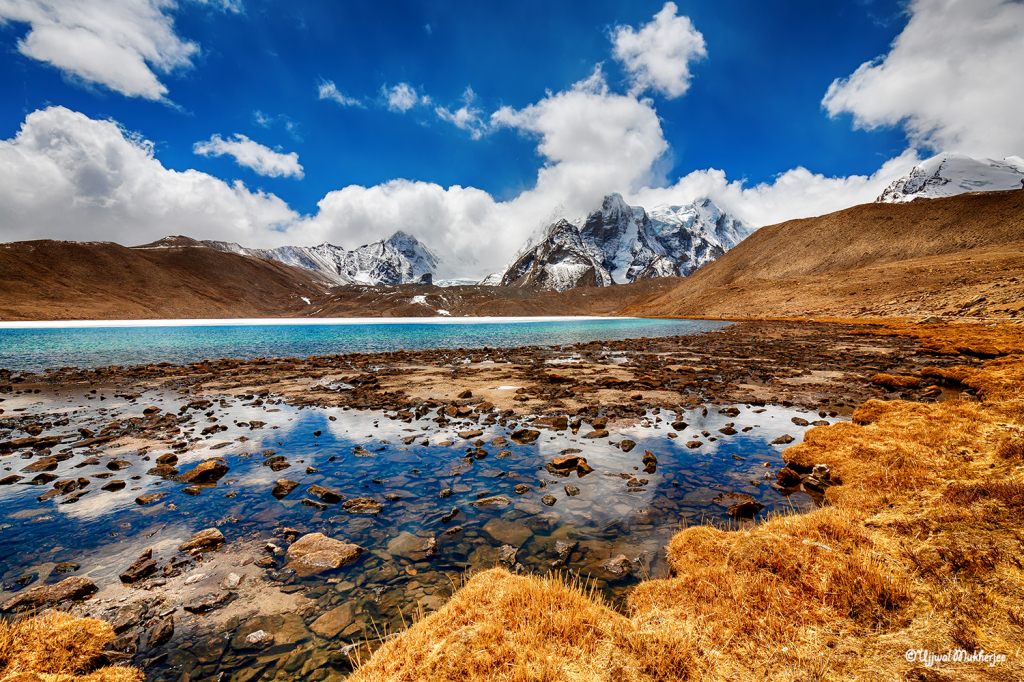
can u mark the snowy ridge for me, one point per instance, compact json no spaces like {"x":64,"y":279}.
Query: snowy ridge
{"x":947,"y":174}
{"x":401,"y":259}
{"x":619,"y":243}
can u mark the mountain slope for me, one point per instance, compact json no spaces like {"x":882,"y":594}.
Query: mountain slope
{"x":400,"y":259}
{"x":101,"y":280}
{"x":619,"y":243}
{"x":948,"y":174}
{"x":910,"y":258}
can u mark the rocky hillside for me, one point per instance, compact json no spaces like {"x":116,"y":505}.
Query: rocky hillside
{"x":400,"y":259}
{"x":619,"y":243}
{"x":946,"y":175}
{"x":959,"y":256}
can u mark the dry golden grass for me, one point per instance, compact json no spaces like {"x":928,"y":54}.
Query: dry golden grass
{"x":921,"y":547}
{"x":58,"y":647}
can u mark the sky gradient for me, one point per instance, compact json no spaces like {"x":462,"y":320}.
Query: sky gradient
{"x":472,"y":124}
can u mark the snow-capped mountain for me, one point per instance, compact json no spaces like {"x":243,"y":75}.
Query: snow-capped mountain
{"x":401,"y":259}
{"x":620,"y":243}
{"x":948,"y":174}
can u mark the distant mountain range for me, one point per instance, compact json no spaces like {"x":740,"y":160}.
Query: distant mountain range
{"x":946,"y":175}
{"x":619,"y":243}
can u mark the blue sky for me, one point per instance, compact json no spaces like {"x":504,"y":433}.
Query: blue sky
{"x":752,"y":103}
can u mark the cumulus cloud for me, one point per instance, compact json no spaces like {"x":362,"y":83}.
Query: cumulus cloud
{"x":402,"y":97}
{"x":467,"y":117}
{"x":115,"y":43}
{"x":658,"y":56}
{"x":82,"y":179}
{"x":952,"y":78}
{"x":328,"y":90}
{"x":252,"y":154}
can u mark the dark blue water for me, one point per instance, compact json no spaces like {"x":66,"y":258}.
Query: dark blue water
{"x":38,"y":349}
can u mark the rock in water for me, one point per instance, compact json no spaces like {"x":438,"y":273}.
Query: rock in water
{"x":208,"y":602}
{"x":206,"y":472}
{"x":315,"y":553}
{"x":283,"y":488}
{"x":334,"y":621}
{"x":493,"y":502}
{"x":37,"y":598}
{"x":143,"y":567}
{"x":415,"y":548}
{"x":618,"y":567}
{"x":161,"y":632}
{"x":362,"y":505}
{"x":204,"y":540}
{"x":324,"y":495}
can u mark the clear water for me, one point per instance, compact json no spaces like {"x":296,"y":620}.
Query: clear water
{"x":38,"y":349}
{"x":365,"y":454}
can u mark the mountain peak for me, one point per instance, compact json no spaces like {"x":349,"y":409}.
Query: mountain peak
{"x":948,"y":174}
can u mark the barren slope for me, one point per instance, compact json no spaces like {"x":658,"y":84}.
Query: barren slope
{"x":50,"y":280}
{"x":960,"y":255}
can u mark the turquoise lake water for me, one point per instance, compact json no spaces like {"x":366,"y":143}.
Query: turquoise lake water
{"x":41,"y":348}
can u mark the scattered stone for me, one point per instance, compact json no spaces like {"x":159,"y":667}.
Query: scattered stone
{"x":143,"y":567}
{"x":745,"y":510}
{"x":152,"y":498}
{"x":333,"y":622}
{"x":508,"y":532}
{"x":800,"y":421}
{"x":618,"y":567}
{"x":450,"y":515}
{"x":203,"y":541}
{"x":596,"y":433}
{"x":208,"y":602}
{"x":41,"y":596}
{"x":549,"y":500}
{"x":66,"y":567}
{"x":471,"y":434}
{"x":113,"y":486}
{"x":694,"y":444}
{"x":559,"y":423}
{"x":565,"y":549}
{"x":525,"y":436}
{"x":232,"y":581}
{"x":582,"y":468}
{"x":315,"y":553}
{"x":447,"y":492}
{"x":315,"y":504}
{"x":276,"y":463}
{"x":325,"y":495}
{"x":493,"y":502}
{"x":783,"y":440}
{"x":627,"y":445}
{"x":259,"y":639}
{"x":454,"y":530}
{"x":362,"y":505}
{"x":283,"y":488}
{"x":787,"y":478}
{"x":161,"y":632}
{"x":521,"y":489}
{"x":507,"y":556}
{"x":192,"y":490}
{"x":679,"y":426}
{"x":11,"y":480}
{"x":412,"y":547}
{"x":206,"y":472}
{"x":128,"y":617}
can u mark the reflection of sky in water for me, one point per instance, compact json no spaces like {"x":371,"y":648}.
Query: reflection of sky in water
{"x":107,"y":529}
{"x":37,"y":349}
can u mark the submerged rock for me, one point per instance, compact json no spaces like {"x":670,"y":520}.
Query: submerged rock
{"x":412,"y":547}
{"x":204,"y":540}
{"x":283,"y":488}
{"x":37,"y":598}
{"x":362,"y":505}
{"x":493,"y":502}
{"x":324,"y":495}
{"x":161,"y":632}
{"x":316,"y":553}
{"x":617,"y":567}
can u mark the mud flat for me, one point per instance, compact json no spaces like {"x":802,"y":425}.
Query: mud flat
{"x":181,"y":501}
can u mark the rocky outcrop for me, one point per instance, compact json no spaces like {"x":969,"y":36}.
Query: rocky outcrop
{"x":37,"y":598}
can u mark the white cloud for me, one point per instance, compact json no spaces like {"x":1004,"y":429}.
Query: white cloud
{"x":68,"y":176}
{"x":115,"y":43}
{"x":797,"y":193}
{"x":403,"y":97}
{"x":658,"y":56}
{"x":952,"y":78}
{"x":261,"y":119}
{"x":328,"y":90}
{"x":467,"y":117}
{"x":252,"y":154}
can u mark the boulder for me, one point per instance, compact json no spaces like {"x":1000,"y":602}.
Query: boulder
{"x":493,"y":502}
{"x":161,"y":632}
{"x":283,"y":488}
{"x":143,"y":567}
{"x":334,"y":621}
{"x":206,"y":472}
{"x":324,"y":495}
{"x":412,"y":547}
{"x":204,"y":540}
{"x":316,"y":553}
{"x":362,"y":505}
{"x":508,"y":532}
{"x":37,"y":598}
{"x":525,"y":436}
{"x":787,"y":478}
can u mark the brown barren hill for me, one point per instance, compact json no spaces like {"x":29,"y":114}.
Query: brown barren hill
{"x":960,"y":256}
{"x":53,"y":280}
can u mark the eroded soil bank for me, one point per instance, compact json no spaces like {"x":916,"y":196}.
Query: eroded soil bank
{"x":466,"y":422}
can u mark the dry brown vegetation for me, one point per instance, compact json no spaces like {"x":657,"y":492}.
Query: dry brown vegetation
{"x":921,"y":547}
{"x":58,"y":647}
